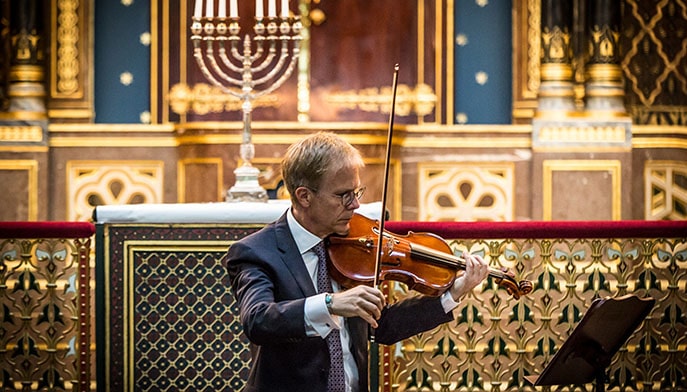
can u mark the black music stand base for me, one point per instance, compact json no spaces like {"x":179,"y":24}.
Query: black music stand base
{"x":587,"y":353}
{"x":600,"y":381}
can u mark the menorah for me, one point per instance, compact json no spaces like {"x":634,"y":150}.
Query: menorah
{"x":246,"y":74}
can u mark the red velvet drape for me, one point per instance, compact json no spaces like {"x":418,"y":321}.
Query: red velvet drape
{"x":46,"y":229}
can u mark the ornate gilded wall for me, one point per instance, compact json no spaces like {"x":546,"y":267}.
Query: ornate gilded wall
{"x":651,"y":41}
{"x":46,"y":297}
{"x":64,"y":165}
{"x":173,"y":323}
{"x":497,"y":340}
{"x":653,"y":60}
{"x":59,"y":164}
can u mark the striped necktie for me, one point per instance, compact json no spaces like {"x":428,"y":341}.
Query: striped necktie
{"x":337,"y":381}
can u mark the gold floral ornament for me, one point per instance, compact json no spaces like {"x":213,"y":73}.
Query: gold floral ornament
{"x":419,"y":101}
{"x":204,"y":99}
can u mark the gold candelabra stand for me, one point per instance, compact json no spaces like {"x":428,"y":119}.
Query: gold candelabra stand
{"x":259,"y":67}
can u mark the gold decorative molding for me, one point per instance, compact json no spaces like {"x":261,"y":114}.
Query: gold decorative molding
{"x":113,"y":128}
{"x":659,"y":142}
{"x":580,"y":133}
{"x":27,"y":73}
{"x":605,"y":132}
{"x":21,"y":134}
{"x":23,"y":115}
{"x":70,"y":113}
{"x":526,"y":58}
{"x":657,"y":136}
{"x":659,"y":130}
{"x":110,"y":141}
{"x":65,"y":53}
{"x":15,"y":149}
{"x":303,"y":74}
{"x":471,"y":136}
{"x":466,"y":142}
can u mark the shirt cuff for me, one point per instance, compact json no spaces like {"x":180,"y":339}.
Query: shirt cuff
{"x":318,"y":320}
{"x":448,"y":302}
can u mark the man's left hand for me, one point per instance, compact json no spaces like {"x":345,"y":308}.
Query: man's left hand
{"x":476,"y":270}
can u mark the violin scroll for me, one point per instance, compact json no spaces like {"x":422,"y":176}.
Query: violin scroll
{"x":514,"y":288}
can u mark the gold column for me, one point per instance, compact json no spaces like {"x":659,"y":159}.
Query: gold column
{"x":26,"y":89}
{"x":604,"y":79}
{"x":556,"y":92}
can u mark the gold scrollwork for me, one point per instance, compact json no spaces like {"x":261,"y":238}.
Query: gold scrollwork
{"x":420,"y":100}
{"x":67,"y":52}
{"x":204,"y":99}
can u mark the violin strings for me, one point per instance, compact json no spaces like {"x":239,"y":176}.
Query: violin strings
{"x":437,"y":257}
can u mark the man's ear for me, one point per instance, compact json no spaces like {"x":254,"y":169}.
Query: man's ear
{"x":303,"y":196}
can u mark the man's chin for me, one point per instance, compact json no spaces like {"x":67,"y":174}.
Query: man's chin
{"x":343,"y":229}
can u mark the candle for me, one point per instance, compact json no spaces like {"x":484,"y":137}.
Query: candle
{"x":233,"y":9}
{"x":209,"y":8}
{"x":258,"y":9}
{"x":272,"y":8}
{"x":198,"y":12}
{"x":222,"y":9}
{"x":284,"y":8}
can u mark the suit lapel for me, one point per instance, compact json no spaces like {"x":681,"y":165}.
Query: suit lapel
{"x":291,"y":257}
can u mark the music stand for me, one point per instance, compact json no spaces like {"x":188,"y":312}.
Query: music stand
{"x":588,"y":351}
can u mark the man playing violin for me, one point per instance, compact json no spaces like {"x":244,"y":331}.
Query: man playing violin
{"x":274,"y":277}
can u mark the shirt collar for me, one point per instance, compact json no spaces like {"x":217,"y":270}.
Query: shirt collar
{"x":305,"y":240}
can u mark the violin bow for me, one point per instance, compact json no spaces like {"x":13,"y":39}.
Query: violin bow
{"x":378,"y":258}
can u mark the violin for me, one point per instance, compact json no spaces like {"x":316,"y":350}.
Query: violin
{"x":423,"y":261}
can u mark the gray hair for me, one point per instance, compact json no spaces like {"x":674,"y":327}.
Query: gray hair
{"x":306,"y":161}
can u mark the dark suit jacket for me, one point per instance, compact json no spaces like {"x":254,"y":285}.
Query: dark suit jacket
{"x":270,"y":283}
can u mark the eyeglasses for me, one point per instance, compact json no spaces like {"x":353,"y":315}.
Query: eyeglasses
{"x":347,"y":197}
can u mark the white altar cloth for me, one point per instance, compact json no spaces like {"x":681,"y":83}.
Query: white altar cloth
{"x":221,"y":212}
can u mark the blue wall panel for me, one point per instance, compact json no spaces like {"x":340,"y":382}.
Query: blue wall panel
{"x":483,"y":62}
{"x":122,"y":61}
